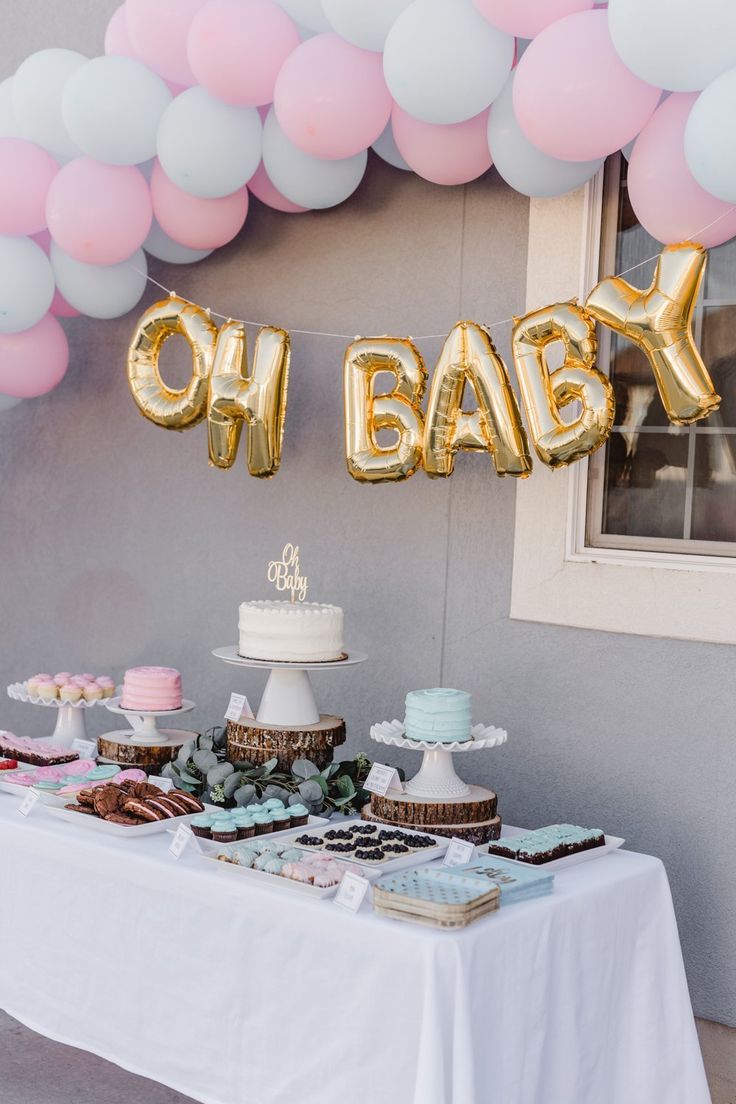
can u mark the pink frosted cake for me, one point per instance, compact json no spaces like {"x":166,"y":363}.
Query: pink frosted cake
{"x":151,"y":689}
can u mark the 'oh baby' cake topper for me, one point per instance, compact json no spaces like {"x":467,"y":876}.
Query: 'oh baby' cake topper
{"x":285,"y":573}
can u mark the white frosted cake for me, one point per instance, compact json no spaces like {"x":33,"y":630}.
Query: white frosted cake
{"x":441,"y":715}
{"x":290,"y":632}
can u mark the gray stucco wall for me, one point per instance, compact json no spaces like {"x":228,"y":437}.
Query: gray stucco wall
{"x":120,"y":546}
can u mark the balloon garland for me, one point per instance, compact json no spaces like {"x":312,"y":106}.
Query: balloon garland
{"x":102,"y":160}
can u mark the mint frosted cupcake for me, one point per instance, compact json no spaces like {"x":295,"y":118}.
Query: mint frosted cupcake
{"x":281,"y":820}
{"x":273,"y":803}
{"x":224,"y":830}
{"x":263,"y":822}
{"x":298,"y":815}
{"x":245,"y":825}
{"x":201,"y":825}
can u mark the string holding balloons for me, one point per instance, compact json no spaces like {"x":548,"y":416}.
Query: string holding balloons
{"x":231,"y":394}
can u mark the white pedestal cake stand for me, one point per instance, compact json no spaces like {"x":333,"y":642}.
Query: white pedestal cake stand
{"x":143,"y":729}
{"x":288,"y":698}
{"x":70,"y":724}
{"x":436,"y":779}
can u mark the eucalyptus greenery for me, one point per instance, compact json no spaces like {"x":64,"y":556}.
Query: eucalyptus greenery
{"x":202,"y":768}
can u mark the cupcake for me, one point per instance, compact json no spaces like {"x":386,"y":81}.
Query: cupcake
{"x":48,"y":691}
{"x":245,"y":825}
{"x":62,"y":678}
{"x":263,"y":823}
{"x":107,"y":685}
{"x":273,"y":803}
{"x":298,"y":815}
{"x":254,"y":808}
{"x":224,"y":831}
{"x":69,"y":693}
{"x":92,"y":692}
{"x":88,"y":676}
{"x":201,"y":825}
{"x":32,"y":684}
{"x":280,"y":820}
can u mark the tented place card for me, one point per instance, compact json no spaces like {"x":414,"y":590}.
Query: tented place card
{"x":239,"y":707}
{"x":459,"y":852}
{"x":382,"y":780}
{"x":351,"y":891}
{"x":85,"y":749}
{"x":28,"y":802}
{"x":183,"y":838}
{"x":164,"y":784}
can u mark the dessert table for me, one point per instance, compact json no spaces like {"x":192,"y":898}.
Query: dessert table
{"x":235,"y":994}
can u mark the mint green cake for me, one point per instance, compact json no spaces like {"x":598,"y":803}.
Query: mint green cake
{"x":440,"y":715}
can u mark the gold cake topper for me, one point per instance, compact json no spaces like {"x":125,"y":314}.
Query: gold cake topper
{"x":285,"y":573}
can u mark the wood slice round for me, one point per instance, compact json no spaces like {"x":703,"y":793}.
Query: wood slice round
{"x":415,"y":810}
{"x":257,"y":742}
{"x":479,"y":833}
{"x":149,"y":757}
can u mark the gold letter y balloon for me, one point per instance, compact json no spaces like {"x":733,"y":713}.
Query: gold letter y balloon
{"x":659,"y":321}
{"x":258,"y":399}
{"x":559,"y":442}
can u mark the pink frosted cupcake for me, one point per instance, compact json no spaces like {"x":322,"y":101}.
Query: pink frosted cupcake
{"x":92,"y":692}
{"x":32,"y":684}
{"x":63,"y":677}
{"x":80,"y":681}
{"x":107,"y":685}
{"x":48,"y":690}
{"x":69,"y":693}
{"x":88,"y":676}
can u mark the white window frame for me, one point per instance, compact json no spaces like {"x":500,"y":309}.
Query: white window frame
{"x":557,"y":578}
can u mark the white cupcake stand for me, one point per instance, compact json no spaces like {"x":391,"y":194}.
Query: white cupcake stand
{"x":288,"y":699}
{"x":436,"y":779}
{"x":143,"y":728}
{"x":70,"y":724}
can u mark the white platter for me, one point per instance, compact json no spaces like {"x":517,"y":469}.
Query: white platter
{"x":414,"y":858}
{"x":275,"y":881}
{"x":209,"y":846}
{"x":17,"y":691}
{"x":230,"y":655}
{"x":612,"y":843}
{"x":107,"y":828}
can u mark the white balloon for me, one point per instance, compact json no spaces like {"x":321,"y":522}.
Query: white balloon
{"x":367,"y":24}
{"x":679,"y":46}
{"x":7,"y":402}
{"x":101,"y":291}
{"x":306,"y":180}
{"x":443,"y":62}
{"x":209,"y":148}
{"x":8,"y":123}
{"x":307,"y":13}
{"x":160,"y":245}
{"x":26,"y":284}
{"x":112,"y":107}
{"x":521,"y":164}
{"x":386,"y":148}
{"x":38,"y":88}
{"x":709,"y":146}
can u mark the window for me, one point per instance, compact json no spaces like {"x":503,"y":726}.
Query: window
{"x":656,"y":487}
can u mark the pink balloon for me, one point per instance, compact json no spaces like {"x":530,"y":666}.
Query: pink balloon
{"x":667,"y":199}
{"x":194,"y":222}
{"x":526,"y":18}
{"x":236,"y":48}
{"x":573,"y":96}
{"x":331,"y":99}
{"x":158,"y":31}
{"x":262,"y":188}
{"x":26,"y":172}
{"x":98,"y":213}
{"x":117,"y":39}
{"x":33,"y":361}
{"x":451,"y":154}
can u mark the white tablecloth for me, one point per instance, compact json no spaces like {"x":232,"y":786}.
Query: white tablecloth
{"x":236,"y":994}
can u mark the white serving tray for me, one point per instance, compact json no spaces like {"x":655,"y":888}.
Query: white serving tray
{"x":108,"y":828}
{"x":211,"y":845}
{"x":612,"y":843}
{"x":414,"y":858}
{"x":274,"y":881}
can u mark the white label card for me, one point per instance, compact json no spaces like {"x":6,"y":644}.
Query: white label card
{"x":351,"y":891}
{"x":183,"y":838}
{"x":459,"y":852}
{"x":238,"y":707}
{"x":28,"y":802}
{"x":381,"y":779}
{"x":85,"y":749}
{"x":164,"y":784}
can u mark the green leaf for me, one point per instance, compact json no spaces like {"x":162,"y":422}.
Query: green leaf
{"x":217,"y":775}
{"x":204,"y":760}
{"x":321,"y":782}
{"x":190,"y":781}
{"x":345,"y":787}
{"x":330,"y":771}
{"x":304,"y":768}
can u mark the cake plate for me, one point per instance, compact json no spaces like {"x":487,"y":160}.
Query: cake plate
{"x":436,"y":779}
{"x":288,"y":698}
{"x":143,"y":729}
{"x":70,"y":725}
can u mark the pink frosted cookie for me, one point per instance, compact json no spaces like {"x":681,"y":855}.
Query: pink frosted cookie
{"x":151,"y":689}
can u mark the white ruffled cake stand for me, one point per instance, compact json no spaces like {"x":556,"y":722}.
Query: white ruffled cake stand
{"x":143,"y":728}
{"x":288,"y":698}
{"x":436,"y":779}
{"x":70,"y":724}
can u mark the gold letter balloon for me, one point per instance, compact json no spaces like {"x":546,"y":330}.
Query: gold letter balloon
{"x":366,"y":412}
{"x":469,"y":357}
{"x":545,"y":392}
{"x":659,"y":321}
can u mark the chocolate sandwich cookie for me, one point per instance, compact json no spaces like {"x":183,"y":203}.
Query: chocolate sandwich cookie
{"x":194,"y":805}
{"x":122,"y":818}
{"x":86,"y":797}
{"x":173,"y":799}
{"x":81,"y":809}
{"x":141,"y":809}
{"x":108,"y":799}
{"x":162,"y":806}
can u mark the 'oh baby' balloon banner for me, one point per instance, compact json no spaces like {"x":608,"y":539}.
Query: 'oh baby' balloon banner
{"x":229,"y":394}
